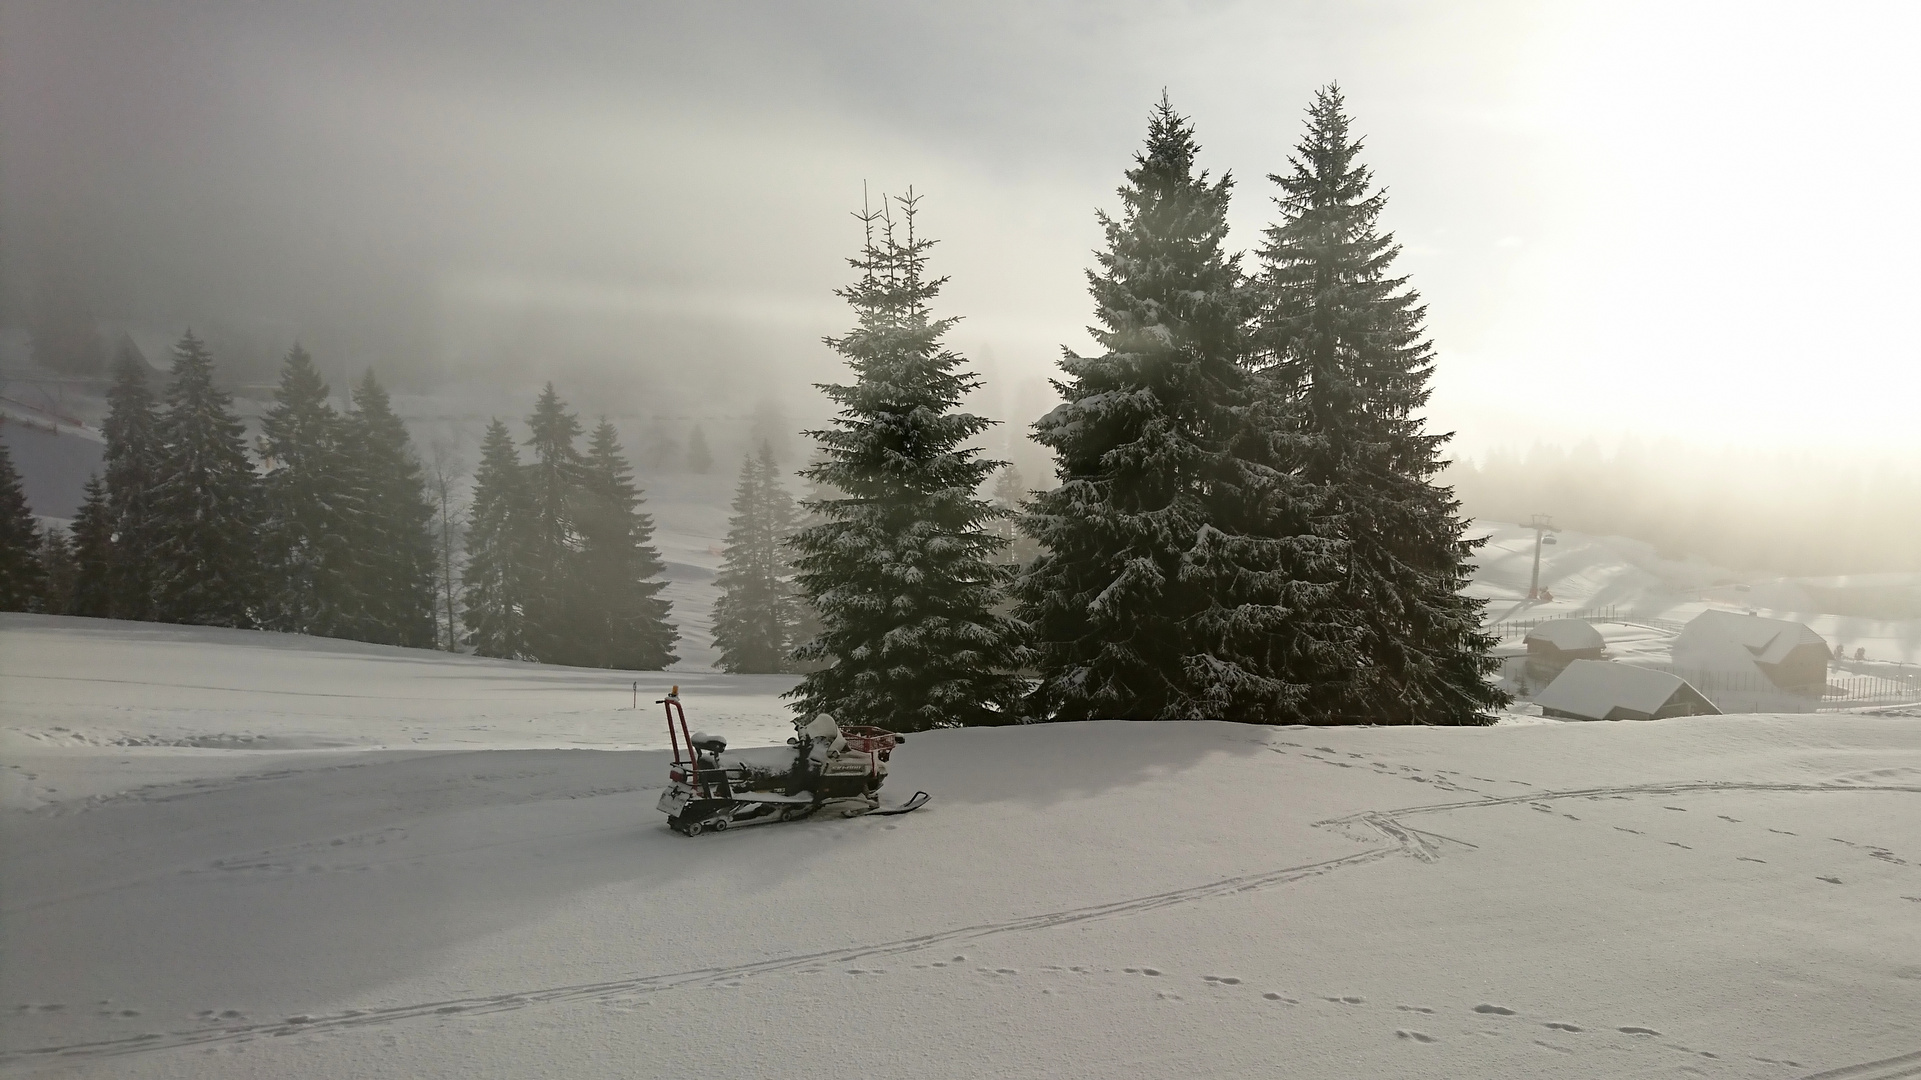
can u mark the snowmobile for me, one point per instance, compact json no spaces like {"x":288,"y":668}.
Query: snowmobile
{"x":710,"y":790}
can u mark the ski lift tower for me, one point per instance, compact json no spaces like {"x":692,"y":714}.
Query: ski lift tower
{"x":1544,"y":530}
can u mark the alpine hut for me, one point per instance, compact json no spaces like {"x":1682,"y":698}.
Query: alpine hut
{"x":1561,"y":641}
{"x":1598,"y":690}
{"x":1792,"y":656}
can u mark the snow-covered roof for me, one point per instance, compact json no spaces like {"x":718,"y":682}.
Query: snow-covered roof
{"x":1568,"y":635}
{"x":1769,"y":641}
{"x":1595,"y":688}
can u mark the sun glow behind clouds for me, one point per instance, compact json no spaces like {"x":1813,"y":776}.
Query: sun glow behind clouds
{"x":1729,"y":253}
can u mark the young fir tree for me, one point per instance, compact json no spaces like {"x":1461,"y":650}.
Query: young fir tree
{"x":1010,"y":494}
{"x":494,"y":583}
{"x":133,"y":462}
{"x":555,"y":479}
{"x":1161,"y":592}
{"x":901,"y":568}
{"x":206,"y":505}
{"x":313,"y":508}
{"x":93,"y":558}
{"x":756,"y":618}
{"x":394,"y":540}
{"x":699,"y":458}
{"x":57,"y":572}
{"x":22,"y":576}
{"x":1351,"y":363}
{"x":621,"y":615}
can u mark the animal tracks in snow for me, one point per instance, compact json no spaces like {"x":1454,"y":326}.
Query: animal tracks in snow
{"x":1401,"y":839}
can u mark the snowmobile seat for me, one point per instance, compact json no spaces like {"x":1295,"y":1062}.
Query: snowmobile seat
{"x":712,"y":744}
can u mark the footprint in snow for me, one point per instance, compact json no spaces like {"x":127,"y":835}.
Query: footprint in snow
{"x":1272,"y":996}
{"x":1415,"y":1009}
{"x":1744,"y":858}
{"x":1637,"y":1031}
{"x":1681,"y":809}
{"x":1493,"y":1010}
{"x":1783,"y":832}
{"x":1563,"y":1027}
{"x":1224,"y":980}
{"x":1636,"y":832}
{"x":1346,"y":1000}
{"x":1724,"y":817}
{"x":1403,"y":1033}
{"x":1829,"y":880}
{"x":1142,"y":971}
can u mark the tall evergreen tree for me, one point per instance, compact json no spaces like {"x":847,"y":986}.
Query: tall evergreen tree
{"x":22,"y":576}
{"x":133,"y":470}
{"x":620,"y":620}
{"x":313,"y":508}
{"x":394,"y":540}
{"x":901,"y":568}
{"x":93,"y":556}
{"x":1350,"y":366}
{"x":495,"y":582}
{"x":206,"y":506}
{"x":757,"y":618}
{"x":57,"y":572}
{"x":1161,"y":592}
{"x":555,"y":479}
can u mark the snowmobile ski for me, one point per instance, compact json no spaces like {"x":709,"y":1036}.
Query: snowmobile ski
{"x":913,"y":803}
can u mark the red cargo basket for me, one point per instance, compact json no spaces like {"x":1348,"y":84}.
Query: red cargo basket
{"x":870,"y":740}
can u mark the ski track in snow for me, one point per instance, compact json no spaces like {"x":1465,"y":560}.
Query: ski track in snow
{"x":1404,"y":840}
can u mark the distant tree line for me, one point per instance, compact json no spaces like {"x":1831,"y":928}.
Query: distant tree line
{"x":331,"y":532}
{"x":560,"y":558}
{"x":327,"y":535}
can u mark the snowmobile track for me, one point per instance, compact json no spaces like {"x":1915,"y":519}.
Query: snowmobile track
{"x":1403,"y":840}
{"x":1894,"y":1068}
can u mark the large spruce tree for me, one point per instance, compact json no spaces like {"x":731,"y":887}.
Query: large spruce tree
{"x":620,"y":620}
{"x":22,"y":575}
{"x":93,"y":556}
{"x":901,"y":568}
{"x":1350,"y":363}
{"x":494,"y":582}
{"x":1174,"y":561}
{"x":206,"y":503}
{"x":314,"y":504}
{"x":133,"y":464}
{"x":555,"y":479}
{"x":757,"y":617}
{"x":394,"y":542}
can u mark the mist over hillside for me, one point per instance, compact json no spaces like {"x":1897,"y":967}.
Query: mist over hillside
{"x":1794,"y":511}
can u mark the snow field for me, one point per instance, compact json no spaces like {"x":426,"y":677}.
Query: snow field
{"x":1719,"y":896}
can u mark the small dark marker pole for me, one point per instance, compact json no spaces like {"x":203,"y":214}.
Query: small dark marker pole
{"x":636,"y":696}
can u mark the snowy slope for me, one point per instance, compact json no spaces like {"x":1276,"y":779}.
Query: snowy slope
{"x":1721,"y":897}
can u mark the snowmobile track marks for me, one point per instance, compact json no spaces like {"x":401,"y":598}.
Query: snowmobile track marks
{"x":1894,"y":1068}
{"x":1404,"y":840}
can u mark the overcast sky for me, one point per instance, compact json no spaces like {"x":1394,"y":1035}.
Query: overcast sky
{"x":1652,"y":218}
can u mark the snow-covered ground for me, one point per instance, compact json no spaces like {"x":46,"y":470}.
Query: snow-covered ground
{"x":245,"y":855}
